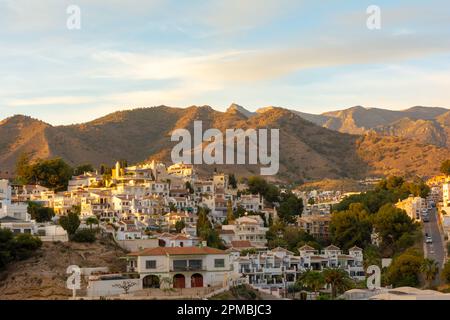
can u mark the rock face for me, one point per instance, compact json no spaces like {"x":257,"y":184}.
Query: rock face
{"x":332,"y":145}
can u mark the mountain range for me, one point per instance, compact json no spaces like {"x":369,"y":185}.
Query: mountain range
{"x":352,"y":143}
{"x":428,"y":125}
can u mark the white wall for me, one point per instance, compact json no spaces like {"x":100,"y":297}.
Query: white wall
{"x":105,"y":287}
{"x":139,"y":244}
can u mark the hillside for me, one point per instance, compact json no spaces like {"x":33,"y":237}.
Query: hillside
{"x":423,"y":131}
{"x":390,"y":155}
{"x":307,"y":151}
{"x":43,"y":276}
{"x":20,"y":134}
{"x":423,"y":124}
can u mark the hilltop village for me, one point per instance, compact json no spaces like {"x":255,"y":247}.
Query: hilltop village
{"x":191,"y":236}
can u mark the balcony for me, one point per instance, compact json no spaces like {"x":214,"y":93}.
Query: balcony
{"x":192,"y":266}
{"x":188,"y":268}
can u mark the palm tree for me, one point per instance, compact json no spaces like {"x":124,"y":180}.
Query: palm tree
{"x":312,"y":280}
{"x":294,"y":288}
{"x":338,"y":279}
{"x":430,"y":269}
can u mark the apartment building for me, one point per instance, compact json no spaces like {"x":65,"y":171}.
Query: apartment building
{"x":274,"y":268}
{"x":316,"y":225}
{"x":249,"y":228}
{"x":333,"y":257}
{"x":280,"y":267}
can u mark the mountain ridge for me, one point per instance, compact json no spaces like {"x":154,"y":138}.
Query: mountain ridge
{"x":308,"y":151}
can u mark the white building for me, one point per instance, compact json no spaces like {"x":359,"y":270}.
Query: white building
{"x":128,"y":230}
{"x":221,"y":181}
{"x":181,"y":170}
{"x":177,"y":240}
{"x":183,"y":267}
{"x":413,"y":206}
{"x":279,"y":267}
{"x":83,"y":181}
{"x":251,"y":202}
{"x":250,"y":228}
{"x":14,"y":215}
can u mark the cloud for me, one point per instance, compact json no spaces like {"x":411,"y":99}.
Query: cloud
{"x":242,"y":66}
{"x":52,"y":100}
{"x":234,"y":15}
{"x":213,"y":52}
{"x":392,"y":86}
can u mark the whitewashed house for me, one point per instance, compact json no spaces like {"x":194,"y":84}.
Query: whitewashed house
{"x":250,"y":228}
{"x":184,"y":267}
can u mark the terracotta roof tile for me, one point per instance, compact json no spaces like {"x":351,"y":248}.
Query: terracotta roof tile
{"x":241,"y":244}
{"x":162,"y":251}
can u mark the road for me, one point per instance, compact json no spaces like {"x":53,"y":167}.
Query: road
{"x":434,"y":250}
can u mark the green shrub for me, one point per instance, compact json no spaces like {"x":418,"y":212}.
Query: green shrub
{"x":16,"y":247}
{"x":445,"y":274}
{"x":84,"y":235}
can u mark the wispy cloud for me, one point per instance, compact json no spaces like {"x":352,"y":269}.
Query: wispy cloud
{"x":262,"y":64}
{"x":285,"y":52}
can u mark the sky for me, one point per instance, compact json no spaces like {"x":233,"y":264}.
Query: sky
{"x":311,"y":56}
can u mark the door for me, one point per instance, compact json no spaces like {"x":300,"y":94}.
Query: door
{"x":197,"y":280}
{"x":179,"y":281}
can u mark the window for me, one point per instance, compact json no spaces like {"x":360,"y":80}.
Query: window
{"x":219,"y":263}
{"x":179,"y":265}
{"x":195,"y":264}
{"x":150,"y":264}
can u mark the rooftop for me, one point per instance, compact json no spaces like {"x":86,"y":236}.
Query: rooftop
{"x":172,"y":251}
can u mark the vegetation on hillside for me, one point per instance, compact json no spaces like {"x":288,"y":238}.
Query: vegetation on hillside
{"x":289,"y":206}
{"x":16,"y":247}
{"x":240,"y":292}
{"x":389,"y":190}
{"x":53,"y":173}
{"x":206,"y":231}
{"x":40,"y":213}
{"x":356,"y":217}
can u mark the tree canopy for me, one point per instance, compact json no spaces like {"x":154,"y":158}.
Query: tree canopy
{"x":40,"y":213}
{"x":81,"y":169}
{"x":351,"y":227}
{"x":258,"y":185}
{"x":53,"y":173}
{"x":290,"y":207}
{"x":389,"y":190}
{"x":445,"y":167}
{"x":405,"y":269}
{"x":394,"y":227}
{"x":206,"y":231}
{"x":71,"y":221}
{"x":16,"y":247}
